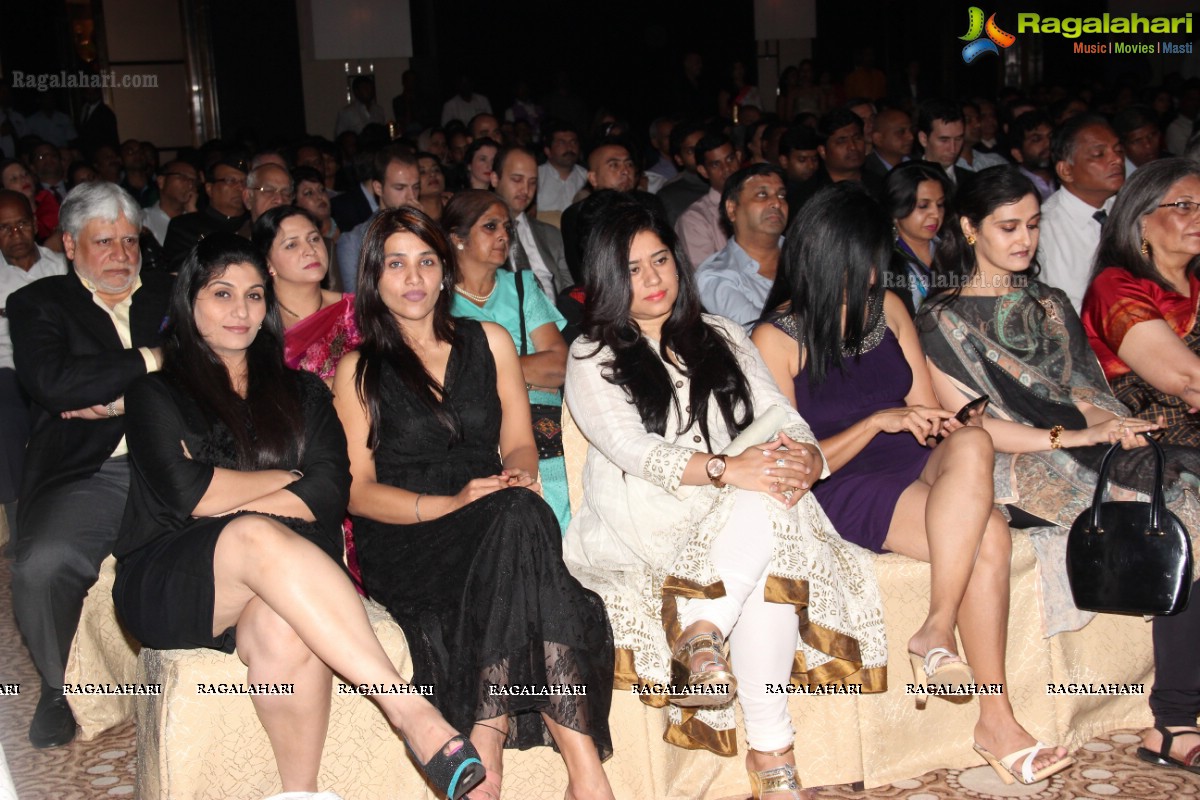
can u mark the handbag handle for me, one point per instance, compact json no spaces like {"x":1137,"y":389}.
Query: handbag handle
{"x":1158,"y":503}
{"x":524,"y":350}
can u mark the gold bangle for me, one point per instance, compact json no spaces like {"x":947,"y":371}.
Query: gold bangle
{"x":417,"y":506}
{"x":1056,"y":437}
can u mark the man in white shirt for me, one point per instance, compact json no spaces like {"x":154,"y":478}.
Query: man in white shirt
{"x":1090,"y":164}
{"x":22,"y":262}
{"x":701,"y":228}
{"x":360,"y":111}
{"x":466,"y":104}
{"x":536,"y":245}
{"x":1181,"y":128}
{"x":177,"y":191}
{"x":561,"y":177}
{"x":49,"y":124}
{"x":735,"y":282}
{"x":970,"y":158}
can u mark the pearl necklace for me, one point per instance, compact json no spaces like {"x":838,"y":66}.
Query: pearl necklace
{"x":478,"y":298}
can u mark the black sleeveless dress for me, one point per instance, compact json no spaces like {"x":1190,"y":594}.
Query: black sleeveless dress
{"x":482,"y":593}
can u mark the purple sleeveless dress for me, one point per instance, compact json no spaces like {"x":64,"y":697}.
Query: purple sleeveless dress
{"x":861,"y":497}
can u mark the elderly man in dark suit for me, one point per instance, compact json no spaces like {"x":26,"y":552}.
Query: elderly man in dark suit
{"x":78,"y":341}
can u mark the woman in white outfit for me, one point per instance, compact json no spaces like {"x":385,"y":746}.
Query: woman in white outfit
{"x":688,"y":546}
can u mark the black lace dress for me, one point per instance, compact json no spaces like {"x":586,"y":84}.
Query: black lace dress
{"x":482,"y":594}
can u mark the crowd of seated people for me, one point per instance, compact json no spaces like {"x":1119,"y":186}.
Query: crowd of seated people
{"x":171,"y":335}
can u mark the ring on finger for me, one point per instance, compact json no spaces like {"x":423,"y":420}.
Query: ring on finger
{"x":779,"y":462}
{"x":775,"y":486}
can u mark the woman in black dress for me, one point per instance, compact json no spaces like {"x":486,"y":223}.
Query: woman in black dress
{"x":452,"y":535}
{"x":231,"y":537}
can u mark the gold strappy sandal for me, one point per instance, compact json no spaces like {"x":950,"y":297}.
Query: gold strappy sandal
{"x":703,"y":687}
{"x":776,"y":779}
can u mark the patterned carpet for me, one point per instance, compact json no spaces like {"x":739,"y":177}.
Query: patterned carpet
{"x":1106,"y":767}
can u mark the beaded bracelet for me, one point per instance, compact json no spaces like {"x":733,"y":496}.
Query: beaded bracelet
{"x":1056,"y":437}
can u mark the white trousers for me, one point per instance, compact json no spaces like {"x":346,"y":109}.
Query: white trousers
{"x":762,"y":636}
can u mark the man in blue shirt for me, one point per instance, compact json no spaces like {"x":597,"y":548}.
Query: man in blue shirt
{"x":734,"y":281}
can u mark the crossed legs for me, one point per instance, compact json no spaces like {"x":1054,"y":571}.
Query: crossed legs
{"x":292,"y":631}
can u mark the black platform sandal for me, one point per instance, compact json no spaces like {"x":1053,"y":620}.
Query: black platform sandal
{"x":454,"y":773}
{"x":1163,"y":757}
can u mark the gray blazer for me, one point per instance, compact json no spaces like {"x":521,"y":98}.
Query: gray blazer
{"x":550,"y":248}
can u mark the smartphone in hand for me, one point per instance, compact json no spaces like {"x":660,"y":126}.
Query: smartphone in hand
{"x":978,"y":404}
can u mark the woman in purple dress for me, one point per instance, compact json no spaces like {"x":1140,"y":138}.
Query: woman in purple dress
{"x":869,"y":400}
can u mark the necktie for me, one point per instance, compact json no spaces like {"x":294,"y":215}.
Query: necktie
{"x":1100,"y":216}
{"x":520,"y":258}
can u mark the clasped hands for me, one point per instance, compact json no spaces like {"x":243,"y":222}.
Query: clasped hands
{"x":783,"y":468}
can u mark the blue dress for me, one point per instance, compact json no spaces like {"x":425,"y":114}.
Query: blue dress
{"x":861,"y":497}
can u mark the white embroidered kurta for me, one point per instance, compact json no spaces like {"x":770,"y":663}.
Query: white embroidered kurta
{"x":642,"y":540}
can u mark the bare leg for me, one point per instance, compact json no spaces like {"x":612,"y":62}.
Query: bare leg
{"x":969,"y":547}
{"x":585,"y":776}
{"x":940,"y":519}
{"x":488,"y":736}
{"x":297,"y":723}
{"x":257,"y":557}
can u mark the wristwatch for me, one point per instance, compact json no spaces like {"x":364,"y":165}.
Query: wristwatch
{"x":715,"y":469}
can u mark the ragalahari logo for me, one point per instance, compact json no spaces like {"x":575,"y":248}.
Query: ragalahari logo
{"x":996,"y":38}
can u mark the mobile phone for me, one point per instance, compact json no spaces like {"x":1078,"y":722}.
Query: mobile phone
{"x":978,"y":404}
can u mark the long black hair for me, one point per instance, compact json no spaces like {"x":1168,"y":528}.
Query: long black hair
{"x":700,"y":350}
{"x":383,"y":341}
{"x":955,"y":259}
{"x":900,"y":187}
{"x":268,"y":425}
{"x":836,"y":245}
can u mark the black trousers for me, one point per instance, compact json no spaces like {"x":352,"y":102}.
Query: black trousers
{"x":66,"y":534}
{"x":1175,"y":697}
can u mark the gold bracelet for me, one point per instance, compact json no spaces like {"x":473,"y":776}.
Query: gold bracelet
{"x":1056,"y":437}
{"x":417,"y":506}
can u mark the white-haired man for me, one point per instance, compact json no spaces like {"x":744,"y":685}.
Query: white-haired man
{"x":79,"y":340}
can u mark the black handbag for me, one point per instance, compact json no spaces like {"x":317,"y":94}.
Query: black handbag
{"x":547,"y":419}
{"x":1130,"y":557}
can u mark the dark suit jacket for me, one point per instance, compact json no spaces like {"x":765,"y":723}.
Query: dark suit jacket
{"x":68,"y":356}
{"x":187,"y":229}
{"x":350,"y":208}
{"x":875,"y":166}
{"x":99,"y":128}
{"x":799,"y":193}
{"x":577,"y":220}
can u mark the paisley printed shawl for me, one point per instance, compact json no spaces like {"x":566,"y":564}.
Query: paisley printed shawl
{"x":1028,"y":352}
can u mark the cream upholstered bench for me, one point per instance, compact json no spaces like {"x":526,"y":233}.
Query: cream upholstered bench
{"x":213,"y":747}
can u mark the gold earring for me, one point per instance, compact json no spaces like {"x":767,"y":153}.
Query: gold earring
{"x":970,"y":240}
{"x":1145,"y":247}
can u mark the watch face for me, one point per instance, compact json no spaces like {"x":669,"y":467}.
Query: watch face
{"x":716,"y":467}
